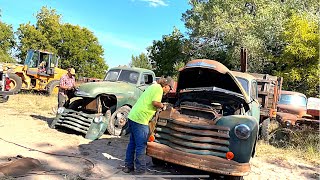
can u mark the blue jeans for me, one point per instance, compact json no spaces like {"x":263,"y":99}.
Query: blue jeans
{"x":137,"y":146}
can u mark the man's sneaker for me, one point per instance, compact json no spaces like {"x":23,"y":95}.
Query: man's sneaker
{"x":127,"y":169}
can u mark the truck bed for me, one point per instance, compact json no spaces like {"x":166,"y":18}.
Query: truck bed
{"x":269,"y":89}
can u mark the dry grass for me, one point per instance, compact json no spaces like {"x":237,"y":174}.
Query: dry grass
{"x":29,"y":102}
{"x":302,"y":144}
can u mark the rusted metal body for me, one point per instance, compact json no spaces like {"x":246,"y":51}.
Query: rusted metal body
{"x":269,"y":90}
{"x":292,"y":110}
{"x":203,"y":162}
{"x":101,"y":106}
{"x":202,"y":127}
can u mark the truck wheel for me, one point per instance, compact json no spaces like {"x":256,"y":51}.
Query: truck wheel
{"x":53,"y":87}
{"x":265,"y":130}
{"x":16,"y":83}
{"x":118,"y":123}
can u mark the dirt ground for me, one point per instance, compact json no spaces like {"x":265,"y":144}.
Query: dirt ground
{"x":26,"y":132}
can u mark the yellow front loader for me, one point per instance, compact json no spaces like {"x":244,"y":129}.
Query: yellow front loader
{"x":40,"y":72}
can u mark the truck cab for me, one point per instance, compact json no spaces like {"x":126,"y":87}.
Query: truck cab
{"x":265,"y":89}
{"x":105,"y":105}
{"x":250,"y":85}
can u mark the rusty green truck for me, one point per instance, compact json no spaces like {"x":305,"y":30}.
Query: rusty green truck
{"x":214,"y":124}
{"x":101,"y":106}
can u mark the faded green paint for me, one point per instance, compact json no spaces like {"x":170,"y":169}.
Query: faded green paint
{"x":242,"y":149}
{"x":182,"y":131}
{"x":125,"y":93}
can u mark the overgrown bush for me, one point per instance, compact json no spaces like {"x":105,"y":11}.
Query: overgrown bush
{"x":303,"y":139}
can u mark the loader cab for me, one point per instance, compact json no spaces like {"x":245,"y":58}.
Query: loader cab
{"x":41,"y":62}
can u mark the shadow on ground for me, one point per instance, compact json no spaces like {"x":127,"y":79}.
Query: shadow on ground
{"x":43,"y":118}
{"x":113,"y":151}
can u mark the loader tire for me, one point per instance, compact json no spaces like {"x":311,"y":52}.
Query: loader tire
{"x":16,"y":83}
{"x":53,"y":87}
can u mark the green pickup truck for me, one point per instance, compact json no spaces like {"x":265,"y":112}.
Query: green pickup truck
{"x":101,"y":106}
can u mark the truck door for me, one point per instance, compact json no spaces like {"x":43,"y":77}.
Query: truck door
{"x":146,"y":80}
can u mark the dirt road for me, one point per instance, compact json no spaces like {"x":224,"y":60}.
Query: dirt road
{"x":25,"y":131}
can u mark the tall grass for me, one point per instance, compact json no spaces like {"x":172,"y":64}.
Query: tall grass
{"x":302,"y":143}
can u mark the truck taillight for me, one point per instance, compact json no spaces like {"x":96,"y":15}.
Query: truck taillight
{"x":7,"y":84}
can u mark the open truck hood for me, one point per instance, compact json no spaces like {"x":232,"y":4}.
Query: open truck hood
{"x":209,"y":73}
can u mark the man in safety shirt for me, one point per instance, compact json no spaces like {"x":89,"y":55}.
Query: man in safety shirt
{"x":138,"y":119}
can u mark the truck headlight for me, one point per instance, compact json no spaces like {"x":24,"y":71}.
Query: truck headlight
{"x":242,"y":131}
{"x":288,"y":124}
{"x":60,"y":110}
{"x":98,"y":119}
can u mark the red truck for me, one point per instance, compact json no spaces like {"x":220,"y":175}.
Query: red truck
{"x":292,"y":110}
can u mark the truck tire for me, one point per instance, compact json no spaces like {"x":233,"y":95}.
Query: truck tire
{"x":265,"y":130}
{"x":16,"y":83}
{"x":119,"y":116}
{"x":53,"y":87}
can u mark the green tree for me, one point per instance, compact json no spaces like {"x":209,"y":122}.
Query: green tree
{"x":80,"y":49}
{"x":219,"y":28}
{"x":7,"y":42}
{"x":168,"y":52}
{"x":140,"y":61}
{"x":299,"y":63}
{"x":49,"y":24}
{"x":30,"y":38}
{"x":77,"y":46}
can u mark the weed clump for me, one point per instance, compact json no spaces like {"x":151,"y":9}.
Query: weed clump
{"x":304,"y":141}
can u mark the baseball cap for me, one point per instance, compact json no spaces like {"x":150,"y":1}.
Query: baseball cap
{"x":72,"y":71}
{"x":166,"y":81}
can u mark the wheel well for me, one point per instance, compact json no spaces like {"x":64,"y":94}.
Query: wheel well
{"x":108,"y":101}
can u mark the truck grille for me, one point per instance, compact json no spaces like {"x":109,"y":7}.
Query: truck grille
{"x":75,"y":120}
{"x":193,"y":138}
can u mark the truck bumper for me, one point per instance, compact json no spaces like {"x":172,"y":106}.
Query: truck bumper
{"x":203,"y":162}
{"x":82,"y":122}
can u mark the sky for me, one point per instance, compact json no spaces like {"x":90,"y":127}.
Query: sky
{"x":123,"y":27}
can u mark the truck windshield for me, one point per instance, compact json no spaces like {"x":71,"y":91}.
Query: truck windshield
{"x":289,"y":99}
{"x":122,"y":75}
{"x":244,"y":83}
{"x":31,"y":59}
